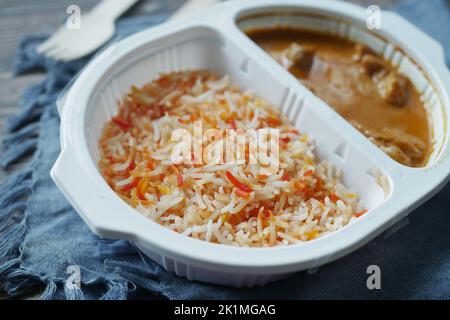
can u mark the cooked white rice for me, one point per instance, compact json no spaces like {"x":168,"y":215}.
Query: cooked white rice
{"x":224,"y":203}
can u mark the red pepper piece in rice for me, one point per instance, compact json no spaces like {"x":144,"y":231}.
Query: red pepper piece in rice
{"x":308,"y":173}
{"x":334,"y":198}
{"x":238,"y":183}
{"x":121,"y":123}
{"x":243,"y":194}
{"x":130,"y":185}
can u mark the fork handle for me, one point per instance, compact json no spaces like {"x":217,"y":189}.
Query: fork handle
{"x":112,"y":8}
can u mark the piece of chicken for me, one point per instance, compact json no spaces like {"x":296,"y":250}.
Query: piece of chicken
{"x":296,"y":58}
{"x":399,"y":145}
{"x":393,"y":88}
{"x":372,"y":64}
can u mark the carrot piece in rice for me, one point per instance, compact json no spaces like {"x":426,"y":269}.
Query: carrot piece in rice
{"x":237,"y":183}
{"x":122,"y":123}
{"x":360,"y":213}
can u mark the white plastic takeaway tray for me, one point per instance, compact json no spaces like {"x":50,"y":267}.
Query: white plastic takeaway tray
{"x":214,"y":40}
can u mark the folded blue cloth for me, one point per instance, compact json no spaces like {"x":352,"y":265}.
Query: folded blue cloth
{"x":43,"y":242}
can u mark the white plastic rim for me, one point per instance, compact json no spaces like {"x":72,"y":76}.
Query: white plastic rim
{"x":212,"y":39}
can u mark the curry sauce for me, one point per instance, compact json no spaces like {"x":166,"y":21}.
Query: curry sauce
{"x":362,"y":87}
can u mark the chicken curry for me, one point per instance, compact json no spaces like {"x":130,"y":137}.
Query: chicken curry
{"x":361,"y":86}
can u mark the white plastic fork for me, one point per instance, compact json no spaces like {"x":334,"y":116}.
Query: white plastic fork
{"x":97,"y":27}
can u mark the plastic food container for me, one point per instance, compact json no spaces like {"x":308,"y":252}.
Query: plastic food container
{"x":214,"y":40}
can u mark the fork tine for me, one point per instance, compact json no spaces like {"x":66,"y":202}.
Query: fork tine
{"x":59,"y":35}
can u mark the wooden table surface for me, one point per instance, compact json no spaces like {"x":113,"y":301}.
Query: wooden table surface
{"x":20,"y":17}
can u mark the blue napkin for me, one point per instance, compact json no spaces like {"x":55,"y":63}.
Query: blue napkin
{"x":44,"y":244}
